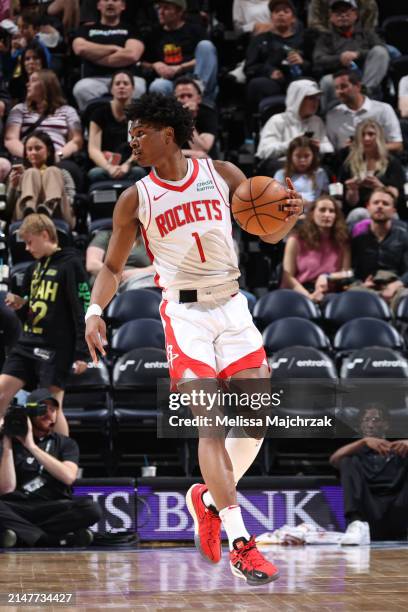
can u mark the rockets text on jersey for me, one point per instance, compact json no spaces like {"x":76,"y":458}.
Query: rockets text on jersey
{"x":187,"y":227}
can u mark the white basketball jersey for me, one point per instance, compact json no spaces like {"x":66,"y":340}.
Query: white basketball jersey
{"x":186,"y":226}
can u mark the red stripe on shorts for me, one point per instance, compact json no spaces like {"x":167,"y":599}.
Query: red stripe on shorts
{"x":252,"y":360}
{"x":178,"y":361}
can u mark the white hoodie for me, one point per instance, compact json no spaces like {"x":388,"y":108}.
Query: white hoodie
{"x":281,"y":128}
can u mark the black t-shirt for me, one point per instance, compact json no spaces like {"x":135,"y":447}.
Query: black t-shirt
{"x":176,"y":46}
{"x":114,"y":133}
{"x":368,"y":254}
{"x":206,"y":123}
{"x":105,"y":35}
{"x":27,"y":467}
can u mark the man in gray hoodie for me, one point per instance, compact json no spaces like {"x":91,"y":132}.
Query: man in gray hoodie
{"x":302,"y":103}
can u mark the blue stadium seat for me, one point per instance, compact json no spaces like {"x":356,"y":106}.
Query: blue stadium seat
{"x":103,"y":196}
{"x":402,"y":310}
{"x":88,"y":410}
{"x":17,"y":273}
{"x":343,"y":307}
{"x":134,"y":396}
{"x":396,"y":32}
{"x":133,"y":304}
{"x":364,"y":373}
{"x":140,"y":333}
{"x":140,"y":369}
{"x":307,"y":377}
{"x":283,"y":303}
{"x":366,"y":331}
{"x":302,"y":362}
{"x":294,"y":331}
{"x":374,"y":362}
{"x":100,"y":224}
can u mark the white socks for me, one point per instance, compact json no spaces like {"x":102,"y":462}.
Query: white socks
{"x":233,"y":524}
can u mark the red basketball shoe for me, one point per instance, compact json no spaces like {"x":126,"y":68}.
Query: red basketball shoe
{"x":248,"y":563}
{"x":207,"y":524}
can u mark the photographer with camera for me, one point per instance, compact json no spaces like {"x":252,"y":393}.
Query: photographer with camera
{"x":37,"y":469}
{"x":55,"y":294}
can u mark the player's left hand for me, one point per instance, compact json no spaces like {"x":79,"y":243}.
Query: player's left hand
{"x":295,"y":204}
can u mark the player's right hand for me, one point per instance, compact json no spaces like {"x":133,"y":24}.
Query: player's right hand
{"x":95,"y":336}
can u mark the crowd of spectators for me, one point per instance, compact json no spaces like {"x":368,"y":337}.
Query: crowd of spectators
{"x":326,"y":61}
{"x":69,"y":68}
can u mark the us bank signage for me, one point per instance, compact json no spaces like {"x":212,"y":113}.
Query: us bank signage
{"x":163,"y":515}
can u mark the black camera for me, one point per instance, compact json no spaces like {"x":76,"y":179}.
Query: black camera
{"x":15,"y":419}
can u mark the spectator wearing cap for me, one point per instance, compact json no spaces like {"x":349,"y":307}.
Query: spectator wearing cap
{"x":203,"y":142}
{"x":318,"y":14}
{"x":276,"y":57}
{"x":177,"y":47}
{"x":302,"y":103}
{"x":355,"y":107}
{"x":348,"y":45}
{"x":104,"y":47}
{"x":37,"y":471}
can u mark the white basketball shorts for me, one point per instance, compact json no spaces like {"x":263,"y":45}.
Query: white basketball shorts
{"x":214,"y":339}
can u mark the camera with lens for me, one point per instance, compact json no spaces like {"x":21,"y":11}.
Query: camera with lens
{"x":15,"y":419}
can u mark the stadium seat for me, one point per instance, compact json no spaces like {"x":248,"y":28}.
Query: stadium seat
{"x":369,"y":367}
{"x":294,"y":331}
{"x":402,"y":310}
{"x":17,"y":248}
{"x":99,"y":225}
{"x":133,"y":304}
{"x":365,"y":332}
{"x":271,"y":106}
{"x":343,"y":307}
{"x":140,"y":333}
{"x":374,"y":362}
{"x":135,"y":402}
{"x":283,"y":303}
{"x":88,"y":410}
{"x":104,"y":195}
{"x":17,"y":273}
{"x":396,"y":32}
{"x":302,"y":362}
{"x":308,"y":379}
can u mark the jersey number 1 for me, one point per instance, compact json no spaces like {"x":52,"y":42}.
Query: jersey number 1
{"x":199,"y":246}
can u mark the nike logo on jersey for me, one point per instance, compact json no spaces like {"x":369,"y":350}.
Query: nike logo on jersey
{"x":155,"y":198}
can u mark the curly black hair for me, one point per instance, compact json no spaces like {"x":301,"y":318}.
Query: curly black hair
{"x":163,"y":111}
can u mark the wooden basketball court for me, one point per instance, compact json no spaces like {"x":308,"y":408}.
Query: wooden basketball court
{"x":313,"y":578}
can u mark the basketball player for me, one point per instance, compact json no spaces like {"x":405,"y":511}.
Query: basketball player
{"x":182,"y":209}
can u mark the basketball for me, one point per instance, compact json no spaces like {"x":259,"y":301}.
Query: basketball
{"x":257,"y":205}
